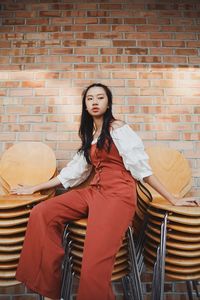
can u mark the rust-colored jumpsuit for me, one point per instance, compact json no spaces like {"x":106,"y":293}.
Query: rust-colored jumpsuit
{"x":109,"y":202}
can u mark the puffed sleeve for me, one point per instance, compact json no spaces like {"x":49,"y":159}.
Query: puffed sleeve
{"x":131,"y":148}
{"x":76,"y":171}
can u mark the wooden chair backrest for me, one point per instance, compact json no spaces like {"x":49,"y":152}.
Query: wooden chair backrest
{"x":27,"y":163}
{"x":171,"y":168}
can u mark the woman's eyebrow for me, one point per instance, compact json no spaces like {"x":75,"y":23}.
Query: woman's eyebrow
{"x":97,"y":95}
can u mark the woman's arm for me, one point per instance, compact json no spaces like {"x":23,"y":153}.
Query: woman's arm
{"x":23,"y":190}
{"x":154,"y":182}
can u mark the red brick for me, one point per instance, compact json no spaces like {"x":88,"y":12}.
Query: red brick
{"x":147,"y":28}
{"x":62,"y":21}
{"x":86,"y":51}
{"x":99,"y":43}
{"x":61,"y":6}
{"x":161,"y":51}
{"x":97,"y":13}
{"x":74,"y":43}
{"x":161,"y":36}
{"x":186,"y":51}
{"x":100,"y":59}
{"x":123,"y":28}
{"x":149,"y":43}
{"x":86,"y":35}
{"x":23,"y":60}
{"x":38,"y":21}
{"x":88,"y":6}
{"x":61,"y":51}
{"x":98,"y":28}
{"x":112,"y":51}
{"x":135,"y":21}
{"x":33,"y":84}
{"x":26,"y":28}
{"x":194,"y":60}
{"x":111,"y":21}
{"x":149,"y":59}
{"x":111,"y":6}
{"x":48,"y":59}
{"x":4,"y":60}
{"x":173,"y":43}
{"x":50,"y":13}
{"x":121,"y":43}
{"x":86,"y":20}
{"x":13,"y":21}
{"x":134,"y":51}
{"x":74,"y":28}
{"x":36,"y":51}
{"x":71,"y":13}
{"x":175,"y":59}
{"x":49,"y":28}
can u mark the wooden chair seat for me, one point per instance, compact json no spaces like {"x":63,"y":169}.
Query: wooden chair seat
{"x":7,"y":274}
{"x":12,"y":230}
{"x":4,"y":223}
{"x":173,"y":268}
{"x":175,"y":218}
{"x":172,"y":169}
{"x":182,"y":228}
{"x":27,"y":163}
{"x":175,"y":260}
{"x":10,"y":248}
{"x":179,"y":236}
{"x":174,"y":251}
{"x":8,"y":265}
{"x":14,"y":201}
{"x":8,"y":282}
{"x":163,"y":204}
{"x":13,"y":213}
{"x":174,"y":243}
{"x":11,"y":239}
{"x":185,"y":277}
{"x":7,"y":257}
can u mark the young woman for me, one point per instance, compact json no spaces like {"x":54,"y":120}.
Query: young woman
{"x":117,"y":154}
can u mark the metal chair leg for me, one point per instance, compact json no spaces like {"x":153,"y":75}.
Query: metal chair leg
{"x":134,"y":274}
{"x":195,"y":285}
{"x":189,"y":289}
{"x":159,"y":266}
{"x":126,"y":288}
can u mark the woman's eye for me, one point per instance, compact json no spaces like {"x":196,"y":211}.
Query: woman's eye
{"x":100,"y":98}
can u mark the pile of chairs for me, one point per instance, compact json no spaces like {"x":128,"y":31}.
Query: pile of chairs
{"x":26,"y":163}
{"x":173,"y":232}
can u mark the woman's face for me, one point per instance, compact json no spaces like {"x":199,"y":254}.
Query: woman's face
{"x":96,"y":101}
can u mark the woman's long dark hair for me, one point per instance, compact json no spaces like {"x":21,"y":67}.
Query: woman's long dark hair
{"x":87,"y":125}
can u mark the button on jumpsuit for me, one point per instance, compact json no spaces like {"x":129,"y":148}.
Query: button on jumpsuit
{"x":109,"y":202}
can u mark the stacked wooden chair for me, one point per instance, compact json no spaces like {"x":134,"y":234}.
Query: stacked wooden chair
{"x":173,"y":232}
{"x":26,"y":163}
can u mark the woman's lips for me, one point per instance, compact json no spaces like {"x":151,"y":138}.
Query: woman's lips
{"x":95,"y":109}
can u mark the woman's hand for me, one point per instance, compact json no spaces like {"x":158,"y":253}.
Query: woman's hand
{"x":190,"y":201}
{"x":23,"y":190}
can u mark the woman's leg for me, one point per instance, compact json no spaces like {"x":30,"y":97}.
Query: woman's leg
{"x":108,"y":220}
{"x":41,"y":257}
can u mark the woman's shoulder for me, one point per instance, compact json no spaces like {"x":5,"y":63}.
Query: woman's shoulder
{"x":117,"y":124}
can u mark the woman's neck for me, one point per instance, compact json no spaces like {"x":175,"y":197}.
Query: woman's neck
{"x":98,"y":124}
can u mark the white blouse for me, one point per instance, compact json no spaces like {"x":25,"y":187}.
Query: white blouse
{"x":131,"y":149}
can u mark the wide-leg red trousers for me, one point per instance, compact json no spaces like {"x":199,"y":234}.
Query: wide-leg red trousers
{"x":109,"y":202}
{"x":108,"y":218}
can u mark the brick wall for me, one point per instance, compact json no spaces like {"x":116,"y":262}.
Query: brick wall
{"x":146,"y":51}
